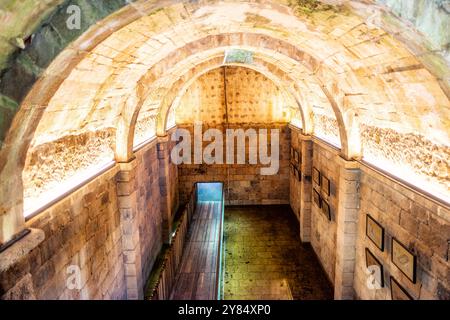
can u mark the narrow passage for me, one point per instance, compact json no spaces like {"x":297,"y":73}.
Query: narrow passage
{"x":197,"y":278}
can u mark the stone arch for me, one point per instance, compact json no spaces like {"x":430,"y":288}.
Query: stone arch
{"x":172,"y":99}
{"x":235,"y":40}
{"x":327,"y":68}
{"x":211,"y":41}
{"x":200,"y":68}
{"x":54,"y":83}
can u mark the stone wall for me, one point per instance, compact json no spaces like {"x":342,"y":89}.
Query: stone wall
{"x":148,"y":206}
{"x":418,"y":222}
{"x":244,"y":185}
{"x":111,"y":229}
{"x":295,"y":194}
{"x":252,"y":101}
{"x":82,"y":230}
{"x":323,"y":231}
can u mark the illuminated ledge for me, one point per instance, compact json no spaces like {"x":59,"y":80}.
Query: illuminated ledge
{"x":327,"y":145}
{"x":75,"y":185}
{"x":31,"y":213}
{"x":386,"y":174}
{"x":17,"y":237}
{"x":319,"y":140}
{"x":407,"y":185}
{"x":148,"y":142}
{"x":144,"y":143}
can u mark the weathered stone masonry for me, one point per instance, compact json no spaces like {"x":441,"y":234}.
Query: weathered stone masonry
{"x":83,"y":230}
{"x":73,"y":99}
{"x":419,"y":222}
{"x":243,"y":184}
{"x":111,"y":229}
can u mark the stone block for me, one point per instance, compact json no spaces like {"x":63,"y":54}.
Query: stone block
{"x":433,"y":240}
{"x":88,"y":199}
{"x":130,"y":271}
{"x":350,"y":228}
{"x":419,"y":212}
{"x":440,"y":226}
{"x":409,"y":223}
{"x":44,"y":274}
{"x":443,"y":291}
{"x":130,"y":242}
{"x":128,"y":201}
{"x":349,"y":215}
{"x":124,"y":188}
{"x":132,"y":294}
{"x":123,"y":176}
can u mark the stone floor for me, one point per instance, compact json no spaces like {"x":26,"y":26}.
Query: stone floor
{"x":264,"y":258}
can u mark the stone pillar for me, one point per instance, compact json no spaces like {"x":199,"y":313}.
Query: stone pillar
{"x":347,"y":221}
{"x":306,"y":188}
{"x":12,"y":221}
{"x":164,"y":186}
{"x":294,"y":185}
{"x":127,"y":203}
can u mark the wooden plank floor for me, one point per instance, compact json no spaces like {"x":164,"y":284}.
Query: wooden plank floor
{"x":197,"y":277}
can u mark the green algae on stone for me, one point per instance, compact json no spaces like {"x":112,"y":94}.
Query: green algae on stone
{"x":21,"y":67}
{"x":309,"y":6}
{"x":8,"y":108}
{"x":256,"y":19}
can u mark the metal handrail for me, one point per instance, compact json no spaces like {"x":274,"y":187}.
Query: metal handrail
{"x":221,"y":248}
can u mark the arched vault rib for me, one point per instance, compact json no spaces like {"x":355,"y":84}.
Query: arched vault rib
{"x":278,"y":73}
{"x":266,"y":38}
{"x":279,"y":50}
{"x":313,"y":63}
{"x":268,"y":69}
{"x":276,"y":47}
{"x":214,"y":59}
{"x":173,"y":96}
{"x":322,"y":52}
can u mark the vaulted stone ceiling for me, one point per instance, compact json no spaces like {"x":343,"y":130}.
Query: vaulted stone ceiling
{"x":385,"y":89}
{"x":250,"y":98}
